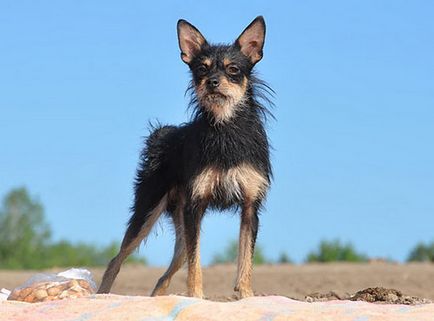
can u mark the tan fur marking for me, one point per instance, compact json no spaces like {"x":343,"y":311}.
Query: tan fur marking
{"x":231,"y":89}
{"x":194,"y":278}
{"x":252,"y":183}
{"x":226,"y":62}
{"x":245,"y":255}
{"x":207,"y":62}
{"x":242,"y":180}
{"x":205,"y":183}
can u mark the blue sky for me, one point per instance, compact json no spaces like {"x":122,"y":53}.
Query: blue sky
{"x":353,"y":138}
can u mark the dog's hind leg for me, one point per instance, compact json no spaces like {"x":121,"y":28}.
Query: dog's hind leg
{"x":248,"y":233}
{"x":131,"y":241}
{"x":179,"y":254}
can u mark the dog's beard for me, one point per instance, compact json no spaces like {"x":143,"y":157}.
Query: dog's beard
{"x":221,"y":107}
{"x":216,"y":99}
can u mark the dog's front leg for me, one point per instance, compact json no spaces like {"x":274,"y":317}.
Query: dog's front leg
{"x":248,"y":233}
{"x":192,"y":218}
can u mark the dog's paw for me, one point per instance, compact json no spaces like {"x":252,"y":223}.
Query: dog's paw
{"x":196,"y":294}
{"x":246,"y":293}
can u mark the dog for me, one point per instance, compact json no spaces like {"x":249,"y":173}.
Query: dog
{"x":219,"y":160}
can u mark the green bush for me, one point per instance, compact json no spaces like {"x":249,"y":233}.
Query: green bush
{"x":331,"y":251}
{"x":230,"y":253}
{"x":284,"y":258}
{"x":422,"y":253}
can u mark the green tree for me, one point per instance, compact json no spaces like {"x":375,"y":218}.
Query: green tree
{"x":230,"y":253}
{"x":25,"y":239}
{"x":23,"y":231}
{"x":422,"y":253}
{"x":330,"y":251}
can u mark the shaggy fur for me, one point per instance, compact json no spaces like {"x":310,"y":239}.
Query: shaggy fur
{"x":218,"y":160}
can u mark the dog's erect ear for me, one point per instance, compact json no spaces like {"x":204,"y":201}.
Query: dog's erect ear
{"x":190,"y":40}
{"x":251,"y":40}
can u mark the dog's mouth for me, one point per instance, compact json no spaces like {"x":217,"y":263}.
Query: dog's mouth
{"x":215,"y":98}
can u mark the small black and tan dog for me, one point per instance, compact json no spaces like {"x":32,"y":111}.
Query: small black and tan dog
{"x":218,"y":160}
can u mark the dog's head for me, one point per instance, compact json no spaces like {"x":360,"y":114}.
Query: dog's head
{"x":221,"y":73}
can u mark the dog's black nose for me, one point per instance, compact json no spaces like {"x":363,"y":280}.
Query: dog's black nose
{"x":213,"y":82}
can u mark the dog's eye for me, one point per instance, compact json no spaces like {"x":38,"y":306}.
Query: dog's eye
{"x":233,"y":70}
{"x":202,"y":70}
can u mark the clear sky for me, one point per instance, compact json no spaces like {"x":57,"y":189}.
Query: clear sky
{"x":353,"y":138}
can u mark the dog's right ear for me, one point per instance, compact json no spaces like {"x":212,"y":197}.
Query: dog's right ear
{"x":190,"y":40}
{"x":251,"y":40}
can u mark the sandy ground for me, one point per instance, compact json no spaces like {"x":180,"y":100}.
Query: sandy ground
{"x":294,"y":281}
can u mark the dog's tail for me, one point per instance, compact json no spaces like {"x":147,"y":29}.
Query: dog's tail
{"x":154,"y":180}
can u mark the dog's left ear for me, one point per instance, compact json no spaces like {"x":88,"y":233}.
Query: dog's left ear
{"x":251,"y":40}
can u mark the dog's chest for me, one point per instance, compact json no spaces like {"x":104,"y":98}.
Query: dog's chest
{"x":238,"y":183}
{"x":230,"y":144}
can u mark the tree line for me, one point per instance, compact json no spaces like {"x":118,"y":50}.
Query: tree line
{"x":26,"y":239}
{"x":26,"y":243}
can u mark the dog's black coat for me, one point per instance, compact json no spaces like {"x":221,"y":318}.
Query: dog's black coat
{"x":175,"y":155}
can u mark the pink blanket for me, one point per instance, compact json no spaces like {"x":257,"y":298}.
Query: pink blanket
{"x":271,"y":308}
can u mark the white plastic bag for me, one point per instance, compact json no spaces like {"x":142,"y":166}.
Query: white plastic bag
{"x":42,"y":287}
{"x":4,"y":293}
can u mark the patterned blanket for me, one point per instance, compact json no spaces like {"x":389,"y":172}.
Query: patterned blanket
{"x":272,"y":308}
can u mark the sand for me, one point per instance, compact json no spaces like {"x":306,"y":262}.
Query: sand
{"x":293,"y":281}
